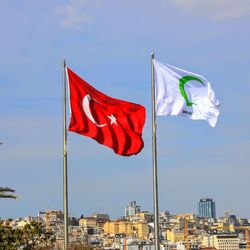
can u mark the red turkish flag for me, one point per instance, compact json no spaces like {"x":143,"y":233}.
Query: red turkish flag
{"x":111,"y":122}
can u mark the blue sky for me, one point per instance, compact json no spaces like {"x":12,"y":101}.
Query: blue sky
{"x":108,"y":42}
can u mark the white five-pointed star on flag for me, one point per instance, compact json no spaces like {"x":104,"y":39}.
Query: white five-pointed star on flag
{"x":112,"y":119}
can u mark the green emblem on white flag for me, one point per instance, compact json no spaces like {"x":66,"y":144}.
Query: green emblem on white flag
{"x":179,"y":92}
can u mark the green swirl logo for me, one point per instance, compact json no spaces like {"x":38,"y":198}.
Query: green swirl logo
{"x":182,"y":82}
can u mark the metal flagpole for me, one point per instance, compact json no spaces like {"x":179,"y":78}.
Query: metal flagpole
{"x":65,"y":176}
{"x":154,"y":156}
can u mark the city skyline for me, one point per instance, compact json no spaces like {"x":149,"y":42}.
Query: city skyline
{"x":132,"y":208}
{"x":135,"y":230}
{"x":112,"y":53}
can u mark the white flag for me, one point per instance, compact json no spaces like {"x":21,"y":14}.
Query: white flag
{"x":179,"y":92}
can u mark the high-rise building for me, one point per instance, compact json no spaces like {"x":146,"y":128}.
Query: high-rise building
{"x":132,"y":209}
{"x":206,"y":208}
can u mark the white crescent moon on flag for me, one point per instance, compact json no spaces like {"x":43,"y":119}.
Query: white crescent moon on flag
{"x":85,"y":105}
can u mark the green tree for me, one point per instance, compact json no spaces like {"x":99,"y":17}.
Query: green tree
{"x":6,"y":192}
{"x":8,"y":238}
{"x":32,"y":236}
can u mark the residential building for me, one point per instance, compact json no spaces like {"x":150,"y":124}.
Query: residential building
{"x":137,"y":228}
{"x":222,"y":241}
{"x":101,"y":219}
{"x":175,"y":235}
{"x":88,"y":222}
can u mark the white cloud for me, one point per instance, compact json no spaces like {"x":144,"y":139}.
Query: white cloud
{"x":219,"y":10}
{"x":76,"y":13}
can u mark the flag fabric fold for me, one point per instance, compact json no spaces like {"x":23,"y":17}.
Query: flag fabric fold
{"x":114,"y":123}
{"x":183,"y":93}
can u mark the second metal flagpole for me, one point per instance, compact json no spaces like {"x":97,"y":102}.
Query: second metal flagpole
{"x":65,"y":174}
{"x":154,"y":156}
